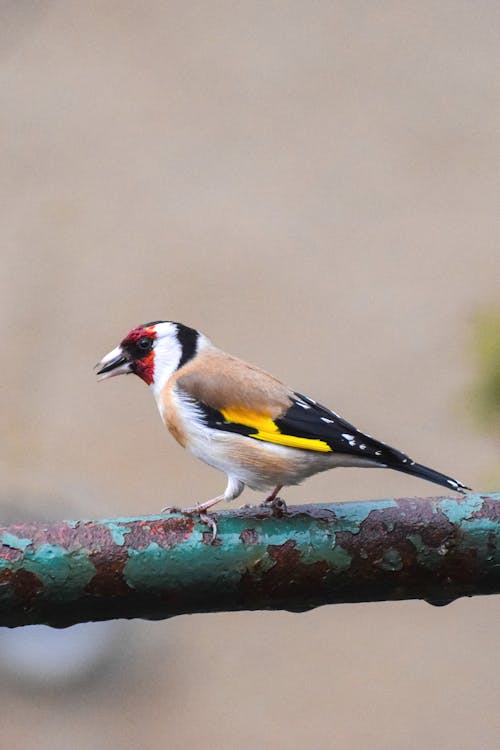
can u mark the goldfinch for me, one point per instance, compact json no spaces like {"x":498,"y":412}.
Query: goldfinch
{"x":242,"y":420}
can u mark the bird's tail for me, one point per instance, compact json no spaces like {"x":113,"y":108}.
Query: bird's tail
{"x":417,"y":470}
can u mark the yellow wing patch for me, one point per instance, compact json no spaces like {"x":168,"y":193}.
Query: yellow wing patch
{"x":269,"y":432}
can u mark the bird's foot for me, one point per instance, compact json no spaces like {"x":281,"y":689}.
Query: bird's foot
{"x":171,"y":509}
{"x":277,"y":505}
{"x":210,"y":521}
{"x":197,"y":510}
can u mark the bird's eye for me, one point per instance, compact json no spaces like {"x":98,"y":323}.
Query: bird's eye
{"x":145,"y":344}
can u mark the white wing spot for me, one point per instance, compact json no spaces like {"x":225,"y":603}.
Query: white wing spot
{"x":325,"y":419}
{"x":350,"y":438}
{"x":362,"y":447}
{"x":302,"y":404}
{"x":378,"y":453}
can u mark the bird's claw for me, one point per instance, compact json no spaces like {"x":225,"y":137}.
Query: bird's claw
{"x":210,"y":521}
{"x":171,"y":509}
{"x":277,"y":505}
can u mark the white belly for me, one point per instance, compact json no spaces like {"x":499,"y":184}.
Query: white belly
{"x":260,"y":465}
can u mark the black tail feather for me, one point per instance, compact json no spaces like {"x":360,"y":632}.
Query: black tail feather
{"x":423,"y":472}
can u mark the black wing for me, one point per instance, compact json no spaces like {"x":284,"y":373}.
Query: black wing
{"x":308,"y":419}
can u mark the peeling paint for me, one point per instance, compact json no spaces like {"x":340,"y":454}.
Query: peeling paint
{"x":11,"y":540}
{"x":158,"y":566}
{"x":249,"y":536}
{"x":67,"y":574}
{"x":456,"y":512}
{"x":118,"y":531}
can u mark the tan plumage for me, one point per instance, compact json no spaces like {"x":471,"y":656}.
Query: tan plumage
{"x":222,"y":382}
{"x":226,"y":382}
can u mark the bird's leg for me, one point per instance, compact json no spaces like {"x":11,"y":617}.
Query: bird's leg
{"x":233,"y":489}
{"x":200,"y":510}
{"x":273,"y":495}
{"x":276,"y":503}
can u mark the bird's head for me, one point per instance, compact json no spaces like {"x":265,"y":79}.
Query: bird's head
{"x":152,"y":351}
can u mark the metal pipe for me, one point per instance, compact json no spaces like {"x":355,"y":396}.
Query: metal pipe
{"x":436,"y":549}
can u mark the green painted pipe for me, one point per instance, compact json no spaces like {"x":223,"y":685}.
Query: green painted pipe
{"x":154,"y":567}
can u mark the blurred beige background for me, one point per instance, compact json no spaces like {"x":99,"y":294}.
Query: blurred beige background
{"x":315,"y":186}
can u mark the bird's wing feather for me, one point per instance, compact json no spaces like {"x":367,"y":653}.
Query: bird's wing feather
{"x":307,"y":417}
{"x":233,"y":396}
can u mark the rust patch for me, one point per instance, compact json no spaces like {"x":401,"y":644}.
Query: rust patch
{"x":460,"y":567}
{"x":166,"y":532}
{"x":208,"y":538}
{"x":249,"y":536}
{"x":94,"y":535}
{"x":26,"y":585}
{"x":418,"y":516}
{"x":10,"y":554}
{"x":421,"y":570}
{"x":86,"y":534}
{"x":381,"y":529}
{"x":83,"y":534}
{"x":490,"y":509}
{"x":289,"y":580}
{"x":108,"y":580}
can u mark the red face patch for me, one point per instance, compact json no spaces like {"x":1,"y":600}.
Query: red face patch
{"x":138,"y":344}
{"x":145,"y":368}
{"x":137,"y":333}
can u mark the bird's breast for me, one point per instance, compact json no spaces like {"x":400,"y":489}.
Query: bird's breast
{"x":171,"y":414}
{"x":175,"y":428}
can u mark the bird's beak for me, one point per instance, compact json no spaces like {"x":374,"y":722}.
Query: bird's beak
{"x":116,"y":362}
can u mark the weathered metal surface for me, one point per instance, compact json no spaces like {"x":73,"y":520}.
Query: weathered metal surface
{"x":155,"y":567}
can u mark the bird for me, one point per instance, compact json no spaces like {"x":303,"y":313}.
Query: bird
{"x":242,"y":420}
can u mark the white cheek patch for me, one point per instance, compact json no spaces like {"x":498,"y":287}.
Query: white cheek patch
{"x":167,"y":355}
